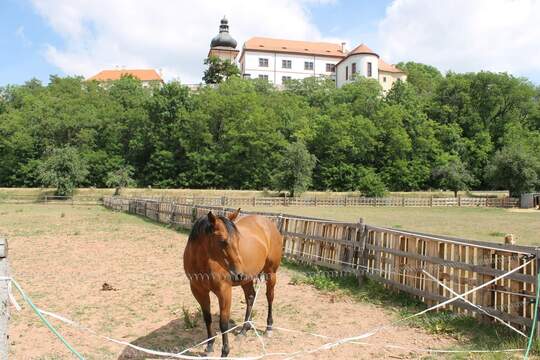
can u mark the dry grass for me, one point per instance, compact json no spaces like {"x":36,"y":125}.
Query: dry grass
{"x":96,"y":193}
{"x":470,"y":223}
{"x":62,"y":255}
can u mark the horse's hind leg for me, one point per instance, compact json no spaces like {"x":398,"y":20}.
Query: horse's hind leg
{"x":203,"y":298}
{"x":270,"y":284}
{"x":249,"y":293}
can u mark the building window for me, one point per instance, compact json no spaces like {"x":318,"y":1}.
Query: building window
{"x":286,"y":64}
{"x":369,"y":69}
{"x":308,"y":65}
{"x":263,"y":77}
{"x":353,"y":68}
{"x":247,"y":76}
{"x":284,"y":79}
{"x":263,"y":62}
{"x":346,"y":73}
{"x":384,"y":79}
{"x":330,"y":68}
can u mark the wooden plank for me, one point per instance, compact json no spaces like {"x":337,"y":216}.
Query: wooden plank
{"x":4,"y":299}
{"x":459,"y":303}
{"x":484,"y":244}
{"x":475,"y":268}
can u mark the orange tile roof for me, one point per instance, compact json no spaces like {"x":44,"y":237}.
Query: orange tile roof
{"x":294,"y":46}
{"x":362,"y":49}
{"x":383,"y":66}
{"x":141,"y":74}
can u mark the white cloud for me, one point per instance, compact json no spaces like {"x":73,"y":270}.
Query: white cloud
{"x":464,"y":35}
{"x":169,"y":34}
{"x":20,"y":34}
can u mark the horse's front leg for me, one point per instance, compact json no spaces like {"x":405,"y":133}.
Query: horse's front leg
{"x":203,"y":298}
{"x":224,"y":297}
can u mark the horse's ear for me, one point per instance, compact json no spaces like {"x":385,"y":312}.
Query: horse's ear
{"x":212,"y":218}
{"x":234,"y":215}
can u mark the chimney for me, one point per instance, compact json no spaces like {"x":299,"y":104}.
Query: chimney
{"x":343,"y":47}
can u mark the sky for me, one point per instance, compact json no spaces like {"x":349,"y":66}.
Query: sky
{"x":81,"y":37}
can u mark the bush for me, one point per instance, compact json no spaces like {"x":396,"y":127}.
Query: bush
{"x":63,"y":169}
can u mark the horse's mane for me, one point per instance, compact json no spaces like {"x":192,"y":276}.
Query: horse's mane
{"x":203,"y":226}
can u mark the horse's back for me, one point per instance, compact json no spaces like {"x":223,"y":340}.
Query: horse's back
{"x":261,"y":241}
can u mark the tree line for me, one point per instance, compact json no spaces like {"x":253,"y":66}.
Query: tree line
{"x":452,"y":131}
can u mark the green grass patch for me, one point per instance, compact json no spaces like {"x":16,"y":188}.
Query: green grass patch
{"x":470,"y":332}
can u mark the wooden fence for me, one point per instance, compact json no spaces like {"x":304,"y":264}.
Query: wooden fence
{"x":396,"y":258}
{"x":4,"y":298}
{"x":346,"y":201}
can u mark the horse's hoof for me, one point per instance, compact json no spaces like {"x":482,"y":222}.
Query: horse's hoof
{"x":268,"y":333}
{"x":209,"y":348}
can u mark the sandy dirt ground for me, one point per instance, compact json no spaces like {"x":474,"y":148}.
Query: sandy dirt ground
{"x":62,"y":256}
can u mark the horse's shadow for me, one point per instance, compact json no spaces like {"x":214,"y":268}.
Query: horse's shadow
{"x":170,"y":338}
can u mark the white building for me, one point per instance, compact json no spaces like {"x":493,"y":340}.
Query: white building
{"x":362,"y":61}
{"x":279,"y":60}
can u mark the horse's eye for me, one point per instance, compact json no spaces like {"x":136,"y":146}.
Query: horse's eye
{"x":223,"y":243}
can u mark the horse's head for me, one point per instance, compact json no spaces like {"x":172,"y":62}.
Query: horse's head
{"x":222,"y":241}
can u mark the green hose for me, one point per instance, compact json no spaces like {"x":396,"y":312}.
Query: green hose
{"x":535,"y":318}
{"x":46,"y":322}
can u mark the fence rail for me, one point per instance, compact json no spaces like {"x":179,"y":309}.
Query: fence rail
{"x":346,"y":201}
{"x":329,"y":201}
{"x":399,"y":259}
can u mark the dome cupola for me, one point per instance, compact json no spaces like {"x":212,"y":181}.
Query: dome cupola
{"x":223,"y":39}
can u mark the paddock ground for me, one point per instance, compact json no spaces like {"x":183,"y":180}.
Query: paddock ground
{"x":488,"y":224}
{"x":62,"y":255}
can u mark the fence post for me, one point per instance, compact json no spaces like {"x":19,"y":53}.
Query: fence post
{"x":459,"y":200}
{"x":362,"y":254}
{"x":537,"y":263}
{"x":4,"y":299}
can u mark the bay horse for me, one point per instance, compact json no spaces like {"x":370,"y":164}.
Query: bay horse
{"x":221,"y":253}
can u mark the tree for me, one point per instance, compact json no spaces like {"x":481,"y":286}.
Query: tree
{"x":515,"y":169}
{"x":63,"y":169}
{"x":424,"y":78}
{"x":370,"y":183}
{"x":120,"y":178}
{"x":294,"y":172}
{"x":451,"y":174}
{"x":219,"y":70}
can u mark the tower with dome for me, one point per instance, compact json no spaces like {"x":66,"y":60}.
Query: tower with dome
{"x":223,"y":45}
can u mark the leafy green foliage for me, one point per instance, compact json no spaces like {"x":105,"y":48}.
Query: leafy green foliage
{"x":120,"y":178}
{"x":63,"y":169}
{"x":219,"y":70}
{"x":294,"y":171}
{"x":452,"y":174}
{"x":453,"y":131}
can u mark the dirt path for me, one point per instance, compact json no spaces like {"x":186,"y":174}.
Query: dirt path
{"x":63,"y":255}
